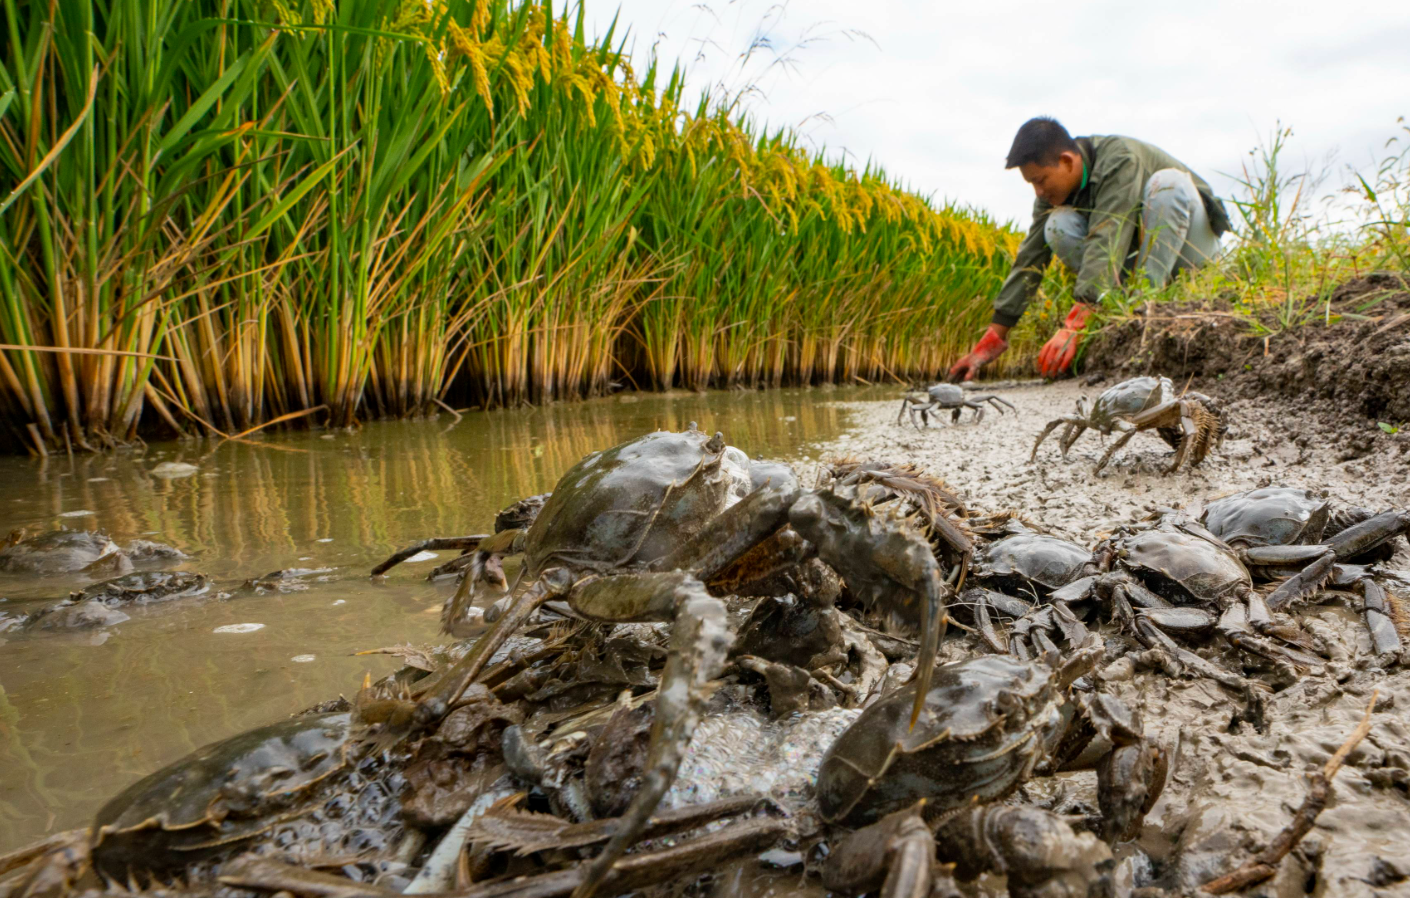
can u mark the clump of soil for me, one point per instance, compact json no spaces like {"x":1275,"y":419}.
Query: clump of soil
{"x":1360,"y":363}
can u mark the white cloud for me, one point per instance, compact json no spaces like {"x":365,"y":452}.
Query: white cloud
{"x":935,"y":90}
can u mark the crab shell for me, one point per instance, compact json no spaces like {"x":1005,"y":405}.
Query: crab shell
{"x":946,"y":394}
{"x":1272,"y":516}
{"x":143,"y":588}
{"x":1185,"y":568}
{"x":635,"y":502}
{"x":219,"y":794}
{"x":986,"y":722}
{"x":57,"y":552}
{"x":1129,"y":398}
{"x":1033,"y":559}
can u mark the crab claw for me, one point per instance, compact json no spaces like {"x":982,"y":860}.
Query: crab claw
{"x":933,"y":621}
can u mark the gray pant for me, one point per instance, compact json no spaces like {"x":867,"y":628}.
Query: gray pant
{"x":1175,"y":231}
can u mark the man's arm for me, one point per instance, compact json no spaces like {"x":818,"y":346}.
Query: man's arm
{"x":1116,"y":203}
{"x":1018,"y":291}
{"x":1027,"y":273}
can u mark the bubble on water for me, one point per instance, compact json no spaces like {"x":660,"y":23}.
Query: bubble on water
{"x":341,"y":602}
{"x":743,"y":752}
{"x":326,"y":539}
{"x":82,"y":513}
{"x":172,"y":470}
{"x":304,"y":659}
{"x":97,"y":479}
{"x":421,"y":556}
{"x":238,"y":628}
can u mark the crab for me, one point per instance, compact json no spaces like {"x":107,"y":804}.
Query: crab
{"x":1191,"y":423}
{"x":101,"y":604}
{"x":1024,"y":563}
{"x":989,"y":723}
{"x":948,"y":396}
{"x":1174,"y":578}
{"x":635,"y":533}
{"x":66,"y":551}
{"x":1037,"y":851}
{"x":1294,"y":533}
{"x":224,"y":793}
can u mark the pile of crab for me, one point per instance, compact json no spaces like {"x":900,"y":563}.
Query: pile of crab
{"x":669,"y":584}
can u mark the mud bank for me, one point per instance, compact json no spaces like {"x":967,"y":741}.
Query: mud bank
{"x":1360,"y":366}
{"x":1232,"y":788}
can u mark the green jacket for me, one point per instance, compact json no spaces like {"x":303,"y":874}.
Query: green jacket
{"x":1118,"y":168}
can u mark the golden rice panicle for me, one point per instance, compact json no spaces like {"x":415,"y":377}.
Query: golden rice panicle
{"x":480,"y":18}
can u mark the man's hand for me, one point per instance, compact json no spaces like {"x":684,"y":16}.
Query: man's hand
{"x":989,"y":347}
{"x":1057,"y":354}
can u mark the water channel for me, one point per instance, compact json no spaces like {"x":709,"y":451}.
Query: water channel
{"x":83,"y":713}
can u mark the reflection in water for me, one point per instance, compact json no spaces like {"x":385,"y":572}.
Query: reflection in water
{"x":84,"y":713}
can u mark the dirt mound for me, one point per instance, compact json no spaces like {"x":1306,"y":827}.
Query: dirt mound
{"x":1360,"y":363}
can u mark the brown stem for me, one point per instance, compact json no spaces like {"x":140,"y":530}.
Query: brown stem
{"x":1264,"y":864}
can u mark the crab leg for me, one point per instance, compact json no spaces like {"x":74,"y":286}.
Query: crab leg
{"x":897,"y":853}
{"x":729,"y":535}
{"x":441,"y":543}
{"x":1368,"y":534}
{"x":1235,"y":626}
{"x":992,"y":638}
{"x":886,"y":561}
{"x":996,"y":402}
{"x":1127,"y":432}
{"x":905,"y":406}
{"x":453,"y":683}
{"x":1376,"y":608}
{"x":1305,"y":583}
{"x":1152,"y":636}
{"x":1190,"y":432}
{"x":1070,"y":434}
{"x":1070,"y":420}
{"x":700,"y":640}
{"x":923,"y":411}
{"x":482,"y":566}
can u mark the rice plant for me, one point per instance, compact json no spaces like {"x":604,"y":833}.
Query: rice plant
{"x":221,"y":214}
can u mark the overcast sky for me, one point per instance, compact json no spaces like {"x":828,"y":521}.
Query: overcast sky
{"x":934,"y":91}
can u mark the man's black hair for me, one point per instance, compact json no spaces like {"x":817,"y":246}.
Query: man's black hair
{"x":1040,"y":140}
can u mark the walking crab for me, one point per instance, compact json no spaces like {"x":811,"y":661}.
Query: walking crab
{"x":1192,"y":424}
{"x":636,"y":532}
{"x":988,"y":724}
{"x":1293,"y":533}
{"x":947,"y":396}
{"x":1167,"y":577}
{"x":1026,"y":563}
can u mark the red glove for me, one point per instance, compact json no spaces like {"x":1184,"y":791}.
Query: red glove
{"x":989,"y":347}
{"x":1057,"y":354}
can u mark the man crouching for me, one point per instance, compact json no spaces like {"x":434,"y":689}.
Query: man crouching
{"x":1106,"y":206}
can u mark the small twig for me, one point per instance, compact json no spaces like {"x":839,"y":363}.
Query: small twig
{"x":1264,"y":864}
{"x":38,"y":440}
{"x":457,"y":414}
{"x":438,"y":873}
{"x":74,"y":350}
{"x":279,"y":420}
{"x":435,"y":543}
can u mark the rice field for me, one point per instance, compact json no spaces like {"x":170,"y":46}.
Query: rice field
{"x":221,"y":214}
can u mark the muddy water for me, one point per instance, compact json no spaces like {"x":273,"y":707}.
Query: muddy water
{"x":84,"y":713}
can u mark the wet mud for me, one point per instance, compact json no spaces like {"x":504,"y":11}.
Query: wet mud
{"x":1358,"y":368}
{"x":1232,"y":786}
